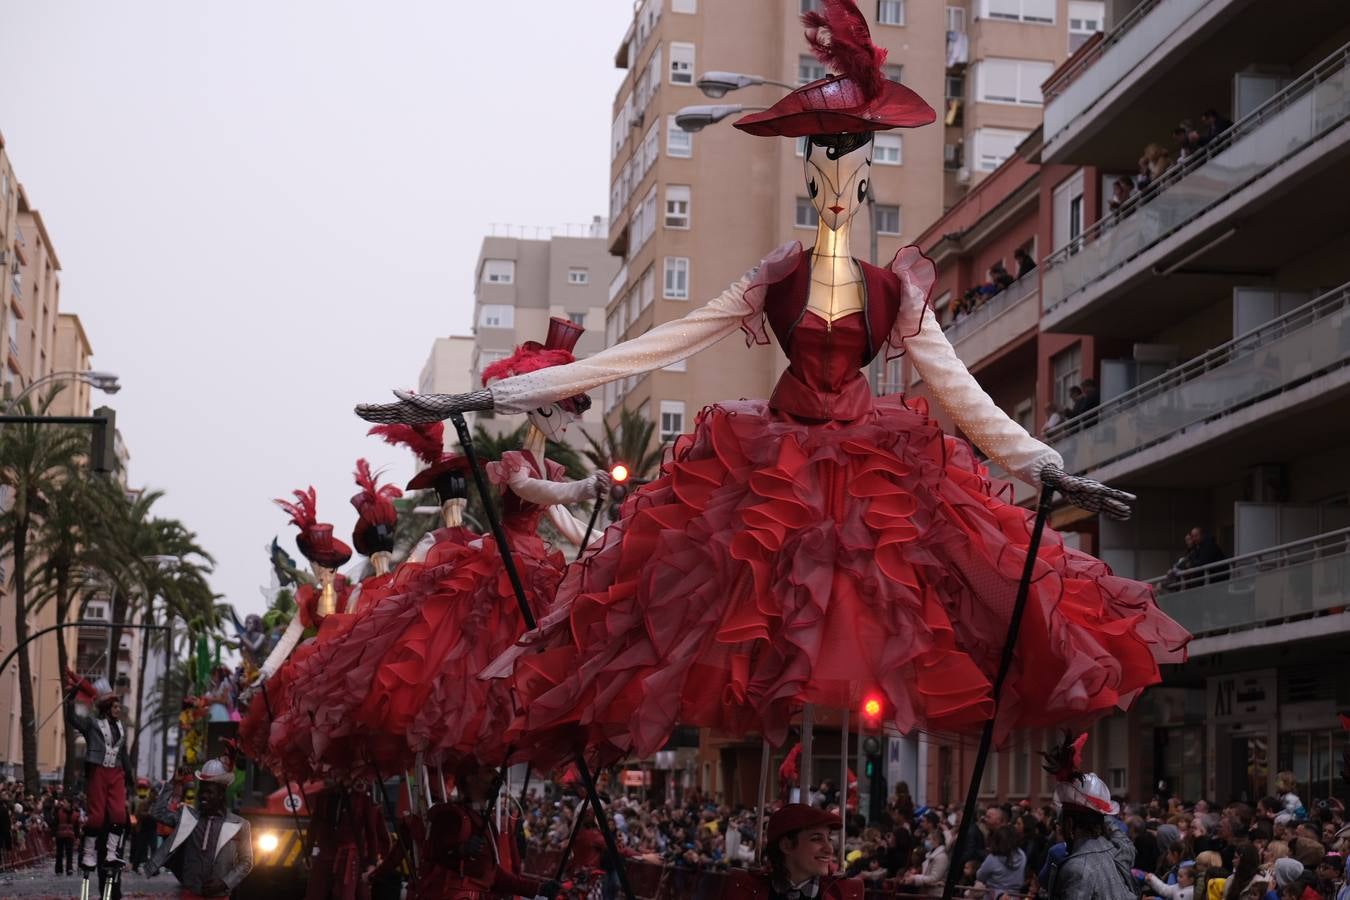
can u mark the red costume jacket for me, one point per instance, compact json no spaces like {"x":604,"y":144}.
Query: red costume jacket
{"x":743,"y":885}
{"x":490,"y":873}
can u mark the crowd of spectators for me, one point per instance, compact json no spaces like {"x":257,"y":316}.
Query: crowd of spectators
{"x":1189,"y":139}
{"x":1275,"y":850}
{"x":32,"y":825}
{"x":997,"y":279}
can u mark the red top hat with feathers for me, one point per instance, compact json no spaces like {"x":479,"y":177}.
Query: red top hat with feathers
{"x":856,"y":98}
{"x":375,"y":512}
{"x":532,"y":356}
{"x":316,"y":541}
{"x":427,"y":442}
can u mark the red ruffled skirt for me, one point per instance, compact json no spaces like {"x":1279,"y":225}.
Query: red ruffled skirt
{"x":777,"y":563}
{"x":404,"y":680}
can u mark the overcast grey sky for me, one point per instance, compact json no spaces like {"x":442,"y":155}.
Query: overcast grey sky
{"x":266,"y":210}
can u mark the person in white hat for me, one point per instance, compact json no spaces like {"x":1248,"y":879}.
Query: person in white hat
{"x":1101,"y":855}
{"x":107,"y":768}
{"x":211,"y":850}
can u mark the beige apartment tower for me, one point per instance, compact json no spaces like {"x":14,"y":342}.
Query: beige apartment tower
{"x":522,"y":282}
{"x":690,"y":213}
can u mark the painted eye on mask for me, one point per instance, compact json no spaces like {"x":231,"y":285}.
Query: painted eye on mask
{"x":812,"y":188}
{"x":862,"y":190}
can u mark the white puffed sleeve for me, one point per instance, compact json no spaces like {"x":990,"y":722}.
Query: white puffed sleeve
{"x":917,"y":333}
{"x":289,"y":638}
{"x":542,"y":492}
{"x":664,"y":345}
{"x":572,"y":529}
{"x":974,"y":412}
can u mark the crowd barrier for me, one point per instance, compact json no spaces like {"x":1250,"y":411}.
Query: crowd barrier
{"x":36,"y":847}
{"x":656,"y":881}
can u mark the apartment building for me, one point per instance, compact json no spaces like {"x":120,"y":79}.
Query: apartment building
{"x":691,"y":212}
{"x":521,"y":283}
{"x":1211,"y":308}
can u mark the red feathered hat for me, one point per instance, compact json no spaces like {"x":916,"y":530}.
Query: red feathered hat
{"x":316,"y":541}
{"x":427,"y":442}
{"x":375,"y":512}
{"x":532,"y":356}
{"x":856,"y":98}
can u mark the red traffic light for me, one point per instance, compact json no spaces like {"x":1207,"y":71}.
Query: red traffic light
{"x":619,"y":472}
{"x":873,"y":710}
{"x":871,"y":707}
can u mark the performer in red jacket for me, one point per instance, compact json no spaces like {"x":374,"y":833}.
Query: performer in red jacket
{"x":801,"y":851}
{"x":466,"y":860}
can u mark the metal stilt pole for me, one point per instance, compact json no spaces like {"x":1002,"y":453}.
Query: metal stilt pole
{"x":808,"y":732}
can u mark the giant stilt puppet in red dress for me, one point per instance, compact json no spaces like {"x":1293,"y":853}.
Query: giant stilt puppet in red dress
{"x":271,"y":695}
{"x":800,"y":549}
{"x":409,"y":685}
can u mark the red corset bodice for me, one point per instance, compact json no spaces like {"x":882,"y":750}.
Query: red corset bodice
{"x":518,"y":514}
{"x":822,"y":380}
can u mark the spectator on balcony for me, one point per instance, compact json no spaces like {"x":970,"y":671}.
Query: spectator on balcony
{"x":999,"y":276}
{"x":1155,"y":161}
{"x":1187,"y":138}
{"x":1053,"y":417}
{"x":1092,"y":397}
{"x":1121,"y":192}
{"x":1212,"y":125}
{"x":1025,"y":261}
{"x":1075,"y":402}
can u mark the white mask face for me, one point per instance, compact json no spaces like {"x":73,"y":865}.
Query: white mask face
{"x":552,"y":420}
{"x":838,"y":168}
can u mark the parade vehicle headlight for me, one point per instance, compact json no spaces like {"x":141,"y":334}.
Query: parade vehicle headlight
{"x":267,"y":841}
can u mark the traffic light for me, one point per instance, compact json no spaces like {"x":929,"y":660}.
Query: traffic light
{"x":618,"y":474}
{"x":873,"y":707}
{"x":103,"y":452}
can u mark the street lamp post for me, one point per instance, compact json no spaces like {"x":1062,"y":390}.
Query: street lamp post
{"x":697,"y":118}
{"x":717,"y":84}
{"x":102,"y":381}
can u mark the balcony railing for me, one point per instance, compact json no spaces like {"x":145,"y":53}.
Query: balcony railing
{"x":1285,"y":124}
{"x":1291,"y":581}
{"x":1092,"y":71}
{"x":1269,"y":360}
{"x":1021,"y":289}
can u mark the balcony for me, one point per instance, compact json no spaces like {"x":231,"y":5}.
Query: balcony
{"x":1301,"y":580}
{"x":1222,"y":211}
{"x":998,"y":323}
{"x":1283,"y":368}
{"x":1167,"y":60}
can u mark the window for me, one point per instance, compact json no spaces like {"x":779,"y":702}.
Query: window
{"x":890,"y":12}
{"x":808,"y":5}
{"x":648,"y":289}
{"x":956,"y":18}
{"x":1085,"y":20}
{"x":809,"y":69}
{"x":677,"y":206}
{"x":499,"y":271}
{"x":886,"y":150}
{"x":651,"y":147}
{"x":678,"y":141}
{"x":956,"y":87}
{"x":888,"y":219}
{"x":681,"y":63}
{"x":497,"y":316}
{"x":1020,"y":776}
{"x":578,"y":275}
{"x":643,"y":225}
{"x":807,"y":217}
{"x":677,"y":278}
{"x":688,"y":7}
{"x":577,"y":318}
{"x":1041,"y":11}
{"x":1066,"y":224}
{"x":893,"y":72}
{"x":989,"y":784}
{"x":1065,"y":372}
{"x":672,"y":419}
{"x":1015,"y":81}
{"x":994,"y":145}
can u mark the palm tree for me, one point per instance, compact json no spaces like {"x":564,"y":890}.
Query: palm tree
{"x":34,"y":459}
{"x":71,"y":544}
{"x":629,"y":444}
